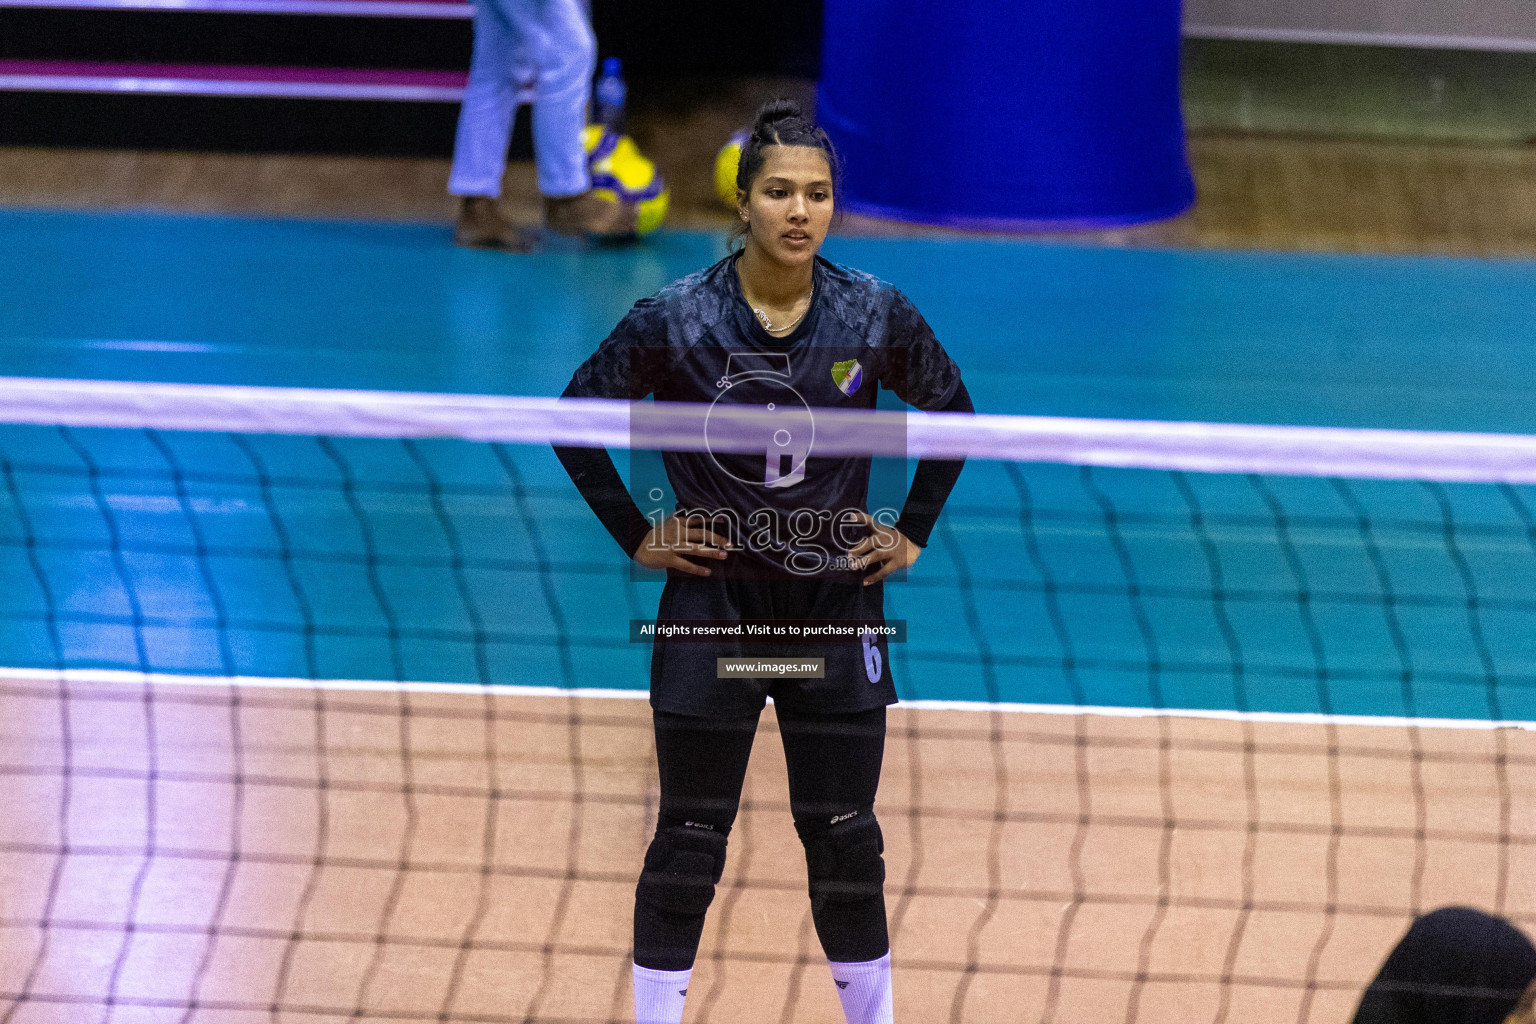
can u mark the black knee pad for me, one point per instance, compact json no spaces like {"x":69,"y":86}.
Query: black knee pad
{"x":844,"y":859}
{"x":681,"y":868}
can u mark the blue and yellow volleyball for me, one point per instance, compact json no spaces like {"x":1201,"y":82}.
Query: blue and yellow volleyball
{"x":726,"y":163}
{"x":621,"y":173}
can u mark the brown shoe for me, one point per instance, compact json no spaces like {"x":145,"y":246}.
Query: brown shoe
{"x":591,"y":215}
{"x":481,"y":226}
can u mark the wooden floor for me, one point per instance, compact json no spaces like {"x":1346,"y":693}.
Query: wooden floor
{"x":289,"y":855}
{"x":1254,"y":192}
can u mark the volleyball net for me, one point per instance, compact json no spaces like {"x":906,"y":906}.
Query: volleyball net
{"x":328,"y":705}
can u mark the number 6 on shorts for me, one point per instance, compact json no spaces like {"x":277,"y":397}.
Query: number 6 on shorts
{"x":872,"y":663}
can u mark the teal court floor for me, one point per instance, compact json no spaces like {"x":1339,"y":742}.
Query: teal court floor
{"x":439,"y":561}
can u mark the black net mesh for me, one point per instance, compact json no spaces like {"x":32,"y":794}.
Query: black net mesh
{"x":270,"y":752}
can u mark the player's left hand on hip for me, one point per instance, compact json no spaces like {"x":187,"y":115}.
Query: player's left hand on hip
{"x":886,"y":550}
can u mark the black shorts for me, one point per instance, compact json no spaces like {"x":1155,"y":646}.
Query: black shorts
{"x":683,"y":674}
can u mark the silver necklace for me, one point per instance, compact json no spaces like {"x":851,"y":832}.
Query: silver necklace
{"x":762,"y":318}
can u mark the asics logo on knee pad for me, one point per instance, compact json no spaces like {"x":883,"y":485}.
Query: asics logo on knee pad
{"x":842,"y":817}
{"x":843,"y":860}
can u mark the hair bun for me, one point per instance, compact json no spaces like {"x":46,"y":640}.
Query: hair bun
{"x":775,"y":110}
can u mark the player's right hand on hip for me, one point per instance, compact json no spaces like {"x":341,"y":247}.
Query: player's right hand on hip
{"x":675,"y":543}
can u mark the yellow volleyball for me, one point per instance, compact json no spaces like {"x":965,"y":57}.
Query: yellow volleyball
{"x":621,"y":173}
{"x":726,"y":162}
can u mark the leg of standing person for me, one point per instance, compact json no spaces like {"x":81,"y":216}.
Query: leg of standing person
{"x":834,"y":771}
{"x":501,"y":56}
{"x":548,"y":46}
{"x":567,"y":58}
{"x":702,"y":763}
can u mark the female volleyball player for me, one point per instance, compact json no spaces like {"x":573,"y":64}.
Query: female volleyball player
{"x":775,"y":326}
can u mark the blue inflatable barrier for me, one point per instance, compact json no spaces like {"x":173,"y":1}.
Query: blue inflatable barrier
{"x":1007,"y":113}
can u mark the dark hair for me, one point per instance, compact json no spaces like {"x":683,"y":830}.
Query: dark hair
{"x":779,"y":122}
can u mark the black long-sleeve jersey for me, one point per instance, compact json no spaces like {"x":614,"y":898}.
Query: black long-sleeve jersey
{"x":698,"y":341}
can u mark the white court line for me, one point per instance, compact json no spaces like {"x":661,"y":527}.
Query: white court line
{"x":170,"y":86}
{"x":120,"y":677}
{"x":1271,"y":717}
{"x":344,"y":8}
{"x":117,"y":677}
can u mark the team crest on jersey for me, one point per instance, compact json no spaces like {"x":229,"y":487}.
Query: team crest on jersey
{"x":847,"y":375}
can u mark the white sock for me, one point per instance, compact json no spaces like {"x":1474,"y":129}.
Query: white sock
{"x":659,"y":995}
{"x":864,"y":990}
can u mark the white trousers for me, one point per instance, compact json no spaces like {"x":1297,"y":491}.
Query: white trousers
{"x":538,"y":51}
